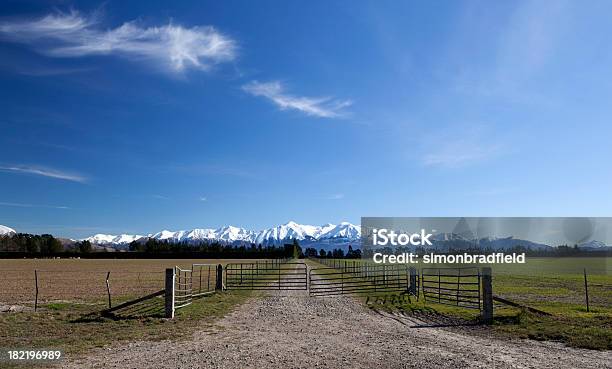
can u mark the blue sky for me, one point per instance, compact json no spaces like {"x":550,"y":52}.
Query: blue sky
{"x":126,"y":117}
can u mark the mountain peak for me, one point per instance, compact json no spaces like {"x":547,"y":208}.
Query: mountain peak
{"x":4,"y":230}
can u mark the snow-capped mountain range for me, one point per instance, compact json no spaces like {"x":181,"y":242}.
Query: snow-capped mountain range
{"x":327,"y":236}
{"x":4,"y":230}
{"x":284,"y":233}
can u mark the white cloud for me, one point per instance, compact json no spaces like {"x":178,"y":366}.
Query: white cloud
{"x":203,"y":198}
{"x":45,"y":172}
{"x":323,"y":107}
{"x":336,"y":196}
{"x":73,"y":35}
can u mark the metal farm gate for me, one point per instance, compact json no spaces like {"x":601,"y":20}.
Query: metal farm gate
{"x":461,"y":287}
{"x":183,"y":287}
{"x":362,"y":278}
{"x":198,"y":281}
{"x":452,"y":286}
{"x":266,"y":275}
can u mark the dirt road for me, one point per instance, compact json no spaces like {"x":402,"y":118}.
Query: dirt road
{"x":293,"y":330}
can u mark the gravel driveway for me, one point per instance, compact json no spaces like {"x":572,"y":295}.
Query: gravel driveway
{"x":292,"y":330}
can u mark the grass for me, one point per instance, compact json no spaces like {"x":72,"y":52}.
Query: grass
{"x":579,"y":329}
{"x":553,"y":285}
{"x":75,"y":328}
{"x":586,"y":330}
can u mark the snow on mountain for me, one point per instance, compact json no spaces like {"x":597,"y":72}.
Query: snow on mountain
{"x":593,"y":244}
{"x":287,"y":231}
{"x":4,"y":230}
{"x":230,"y":234}
{"x":108,"y":239}
{"x":342,"y":230}
{"x":506,"y":243}
{"x":448,"y":236}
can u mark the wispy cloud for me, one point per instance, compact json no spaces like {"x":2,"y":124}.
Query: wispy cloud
{"x":45,"y":172}
{"x":457,"y":155}
{"x":523,"y":48}
{"x":323,"y":107}
{"x":160,"y":197}
{"x":335,"y":196}
{"x":461,"y":148}
{"x":74,"y":35}
{"x":18,"y":205}
{"x":203,"y":199}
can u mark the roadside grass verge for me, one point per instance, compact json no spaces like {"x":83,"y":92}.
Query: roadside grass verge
{"x":584,"y":330}
{"x":76,"y":328}
{"x":572,"y":327}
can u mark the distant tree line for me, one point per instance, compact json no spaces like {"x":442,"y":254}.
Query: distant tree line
{"x":36,"y":244}
{"x":46,"y":245}
{"x":335,"y":253}
{"x":559,"y":251}
{"x":211,"y":249}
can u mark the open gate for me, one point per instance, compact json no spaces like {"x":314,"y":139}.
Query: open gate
{"x":266,"y":275}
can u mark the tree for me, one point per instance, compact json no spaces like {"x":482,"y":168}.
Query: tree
{"x":310,"y":252}
{"x":54,"y":245}
{"x":338,"y":253}
{"x":85,"y":246}
{"x":137,"y":246}
{"x":322,"y":253}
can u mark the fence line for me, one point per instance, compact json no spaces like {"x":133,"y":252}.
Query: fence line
{"x":267,"y":275}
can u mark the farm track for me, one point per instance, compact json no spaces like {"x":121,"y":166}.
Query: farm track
{"x":288,"y":329}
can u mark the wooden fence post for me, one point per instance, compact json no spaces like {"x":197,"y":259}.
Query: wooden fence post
{"x":208,"y":279}
{"x":36,"y":284}
{"x":586,"y":291}
{"x":169,"y":294}
{"x":219,"y":280}
{"x":487,"y":295}
{"x":108,"y":290}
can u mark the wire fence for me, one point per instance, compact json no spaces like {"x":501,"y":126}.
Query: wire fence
{"x":95,"y":287}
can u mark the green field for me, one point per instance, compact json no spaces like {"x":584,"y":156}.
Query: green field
{"x":553,"y":285}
